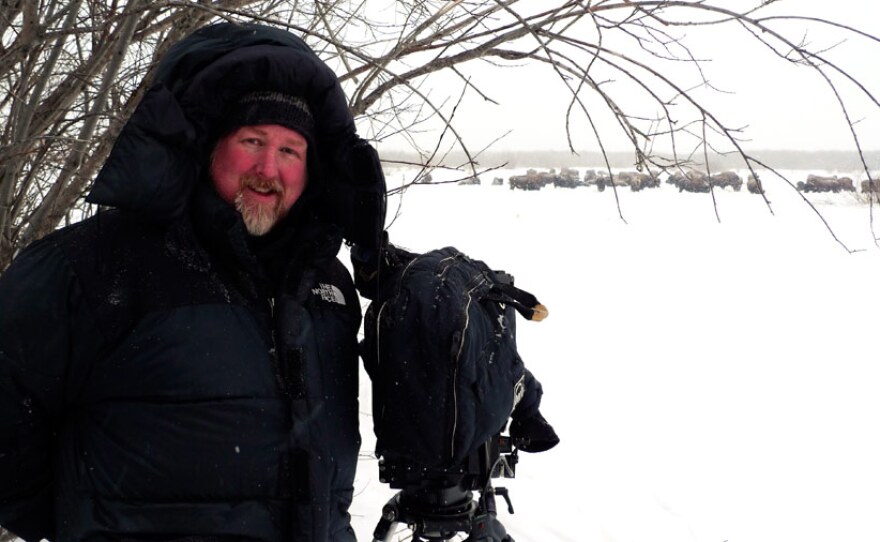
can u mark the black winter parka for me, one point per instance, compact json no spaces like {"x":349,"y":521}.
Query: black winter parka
{"x":162,"y":374}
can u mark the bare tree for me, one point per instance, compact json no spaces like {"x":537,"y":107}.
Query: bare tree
{"x":73,"y":70}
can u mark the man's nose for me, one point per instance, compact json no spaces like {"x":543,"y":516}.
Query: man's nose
{"x":267,"y":165}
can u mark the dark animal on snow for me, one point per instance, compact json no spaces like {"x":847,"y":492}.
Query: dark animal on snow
{"x":725,"y":179}
{"x":532,"y":180}
{"x":590,"y":177}
{"x":636,"y":180}
{"x":692,"y":181}
{"x":621,"y":179}
{"x":872,"y":185}
{"x":817,"y":183}
{"x":568,"y":178}
{"x":754,"y":185}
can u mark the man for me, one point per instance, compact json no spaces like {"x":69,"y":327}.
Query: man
{"x":184,"y":365}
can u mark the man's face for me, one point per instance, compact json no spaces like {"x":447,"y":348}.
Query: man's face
{"x":261,"y":170}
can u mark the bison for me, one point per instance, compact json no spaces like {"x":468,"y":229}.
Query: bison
{"x":636,"y":180}
{"x":817,"y":183}
{"x":692,"y":181}
{"x":532,"y":180}
{"x":725,"y":179}
{"x":846,"y":184}
{"x":567,"y":178}
{"x":614,"y":180}
{"x":753,"y":185}
{"x":871,"y":185}
{"x":590,"y":177}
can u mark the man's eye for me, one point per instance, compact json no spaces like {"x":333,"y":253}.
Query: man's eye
{"x":251,"y":141}
{"x":290,"y":151}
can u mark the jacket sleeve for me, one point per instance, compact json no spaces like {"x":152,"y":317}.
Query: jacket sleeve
{"x":39,"y":297}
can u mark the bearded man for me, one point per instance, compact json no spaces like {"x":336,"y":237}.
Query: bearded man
{"x":183,"y":365}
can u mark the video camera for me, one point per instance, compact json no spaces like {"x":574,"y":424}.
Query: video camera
{"x":440,"y":349}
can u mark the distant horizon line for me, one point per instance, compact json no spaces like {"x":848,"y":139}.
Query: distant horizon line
{"x":629,"y":151}
{"x":775,"y":158}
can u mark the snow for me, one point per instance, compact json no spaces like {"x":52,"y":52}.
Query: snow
{"x":709,"y":380}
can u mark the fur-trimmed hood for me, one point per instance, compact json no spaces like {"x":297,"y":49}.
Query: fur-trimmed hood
{"x":162,"y":151}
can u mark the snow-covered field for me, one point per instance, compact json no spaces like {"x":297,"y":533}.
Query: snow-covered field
{"x":711,"y":381}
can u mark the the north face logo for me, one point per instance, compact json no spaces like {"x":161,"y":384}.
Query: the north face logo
{"x":329,"y":293}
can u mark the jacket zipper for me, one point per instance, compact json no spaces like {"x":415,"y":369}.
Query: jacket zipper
{"x":282,"y":370}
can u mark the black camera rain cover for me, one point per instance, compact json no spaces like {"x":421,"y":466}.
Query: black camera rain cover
{"x":440,"y":349}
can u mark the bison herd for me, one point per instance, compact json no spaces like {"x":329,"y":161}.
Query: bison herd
{"x":691,"y":181}
{"x":816,"y":183}
{"x":570,"y":178}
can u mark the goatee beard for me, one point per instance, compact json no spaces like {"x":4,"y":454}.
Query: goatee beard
{"x":259,"y":218}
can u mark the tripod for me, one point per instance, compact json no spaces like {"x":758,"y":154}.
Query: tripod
{"x":439,"y":504}
{"x":439,"y":514}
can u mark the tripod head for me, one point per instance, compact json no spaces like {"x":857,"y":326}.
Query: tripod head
{"x":437,"y":504}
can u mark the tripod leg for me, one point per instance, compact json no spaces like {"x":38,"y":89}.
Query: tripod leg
{"x":390,"y":514}
{"x":487,"y":528}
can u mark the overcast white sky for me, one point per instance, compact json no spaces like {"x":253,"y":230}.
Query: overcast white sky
{"x":783,"y":107}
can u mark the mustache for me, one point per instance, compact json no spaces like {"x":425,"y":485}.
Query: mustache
{"x":261,"y":183}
